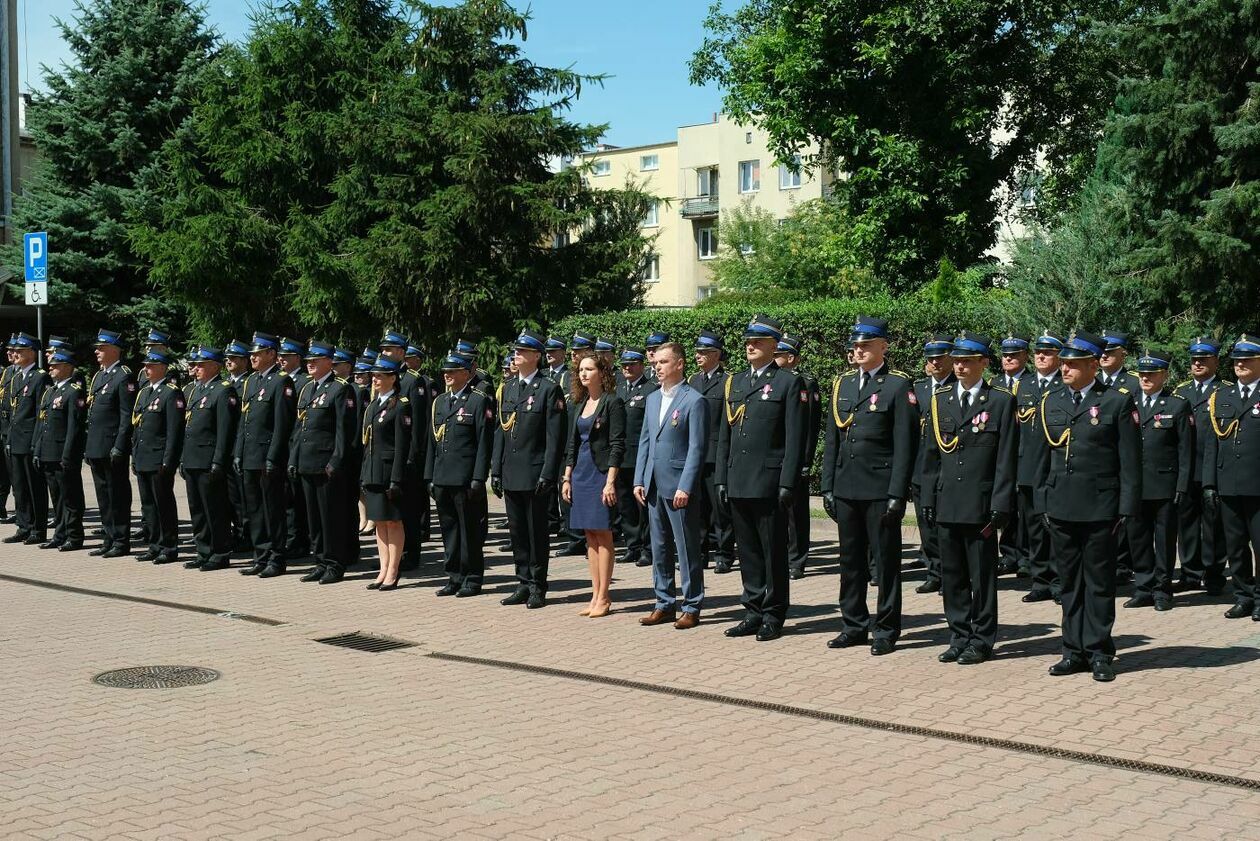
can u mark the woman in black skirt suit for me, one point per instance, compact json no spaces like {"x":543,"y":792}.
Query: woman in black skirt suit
{"x":386,"y":441}
{"x":597,"y":441}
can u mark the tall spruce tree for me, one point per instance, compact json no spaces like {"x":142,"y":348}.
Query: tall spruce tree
{"x":131,"y":81}
{"x":1183,"y":147}
{"x":350,"y":167}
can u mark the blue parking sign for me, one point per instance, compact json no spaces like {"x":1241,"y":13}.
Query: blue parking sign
{"x":35,"y":247}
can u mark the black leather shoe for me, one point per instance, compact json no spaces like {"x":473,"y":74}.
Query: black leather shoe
{"x":572,"y":550}
{"x":881,"y":647}
{"x":1039,"y":594}
{"x":1165,"y":603}
{"x":1007,"y":567}
{"x":253,"y":569}
{"x":92,"y":533}
{"x":769,"y":631}
{"x":932,"y":585}
{"x":466,"y":592}
{"x":97,"y":552}
{"x":1140,"y":600}
{"x":1214,"y":588}
{"x":51,"y":544}
{"x":643,"y":561}
{"x":384,"y":588}
{"x":1103,"y":671}
{"x":722,"y":567}
{"x":1239,"y":610}
{"x":165,"y":559}
{"x":796,"y":573}
{"x":332,"y":576}
{"x":20,"y":537}
{"x":211,"y":566}
{"x":536,"y":600}
{"x":70,"y":547}
{"x":1069,"y":666}
{"x":449,"y":590}
{"x":950,"y":654}
{"x":147,"y":557}
{"x":1255,"y":616}
{"x":847,"y":640}
{"x":274,"y":570}
{"x":36,"y":539}
{"x":196,"y":563}
{"x":747,"y":628}
{"x":1124,"y":575}
{"x":1058,"y":598}
{"x":140,"y":536}
{"x":116,"y":552}
{"x":972,"y":655}
{"x":519,"y":596}
{"x":375,"y":585}
{"x":1185,"y":585}
{"x":8,"y":519}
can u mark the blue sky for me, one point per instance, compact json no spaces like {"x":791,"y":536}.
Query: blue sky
{"x":642,"y":45}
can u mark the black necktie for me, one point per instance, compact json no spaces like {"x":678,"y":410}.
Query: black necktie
{"x":1076,"y":399}
{"x":865,"y":379}
{"x":966,"y":400}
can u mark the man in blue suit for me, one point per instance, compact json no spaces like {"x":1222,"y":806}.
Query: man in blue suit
{"x":666,"y":481}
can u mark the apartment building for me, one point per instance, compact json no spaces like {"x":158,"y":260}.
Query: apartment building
{"x":709,"y":170}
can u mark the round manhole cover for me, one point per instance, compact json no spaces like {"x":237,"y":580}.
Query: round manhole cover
{"x":156,"y":677}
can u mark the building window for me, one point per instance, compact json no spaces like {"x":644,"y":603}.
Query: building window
{"x":603,"y":167}
{"x":649,"y":162}
{"x":746,"y":249}
{"x":653,"y":217}
{"x":748,"y":137}
{"x":707,"y":181}
{"x":561,"y":240}
{"x":789,"y":180}
{"x":706,"y":243}
{"x":703,"y":292}
{"x":652,"y":269}
{"x":1029,"y":188}
{"x":749,"y":176}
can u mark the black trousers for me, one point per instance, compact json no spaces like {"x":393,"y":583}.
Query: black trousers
{"x":265,"y":502}
{"x":527,"y":527}
{"x":6,"y":481}
{"x":209,"y":509}
{"x":65,"y":486}
{"x":326,"y":519}
{"x":866,"y":541}
{"x":297,"y":540}
{"x":461,"y":516}
{"x":969,"y":584}
{"x":761,"y":533}
{"x":798,"y":526}
{"x":1200,"y":539}
{"x":719,"y":537}
{"x":1086,"y":553}
{"x":1013,"y":543}
{"x":1240,"y":518}
{"x":113,"y":500}
{"x":1153,"y":543}
{"x":351,"y":470}
{"x":30,"y":497}
{"x":158,"y":487}
{"x":634,"y":519}
{"x":236,"y":499}
{"x":1042,"y":567}
{"x":409,"y":505}
{"x":929,"y":539}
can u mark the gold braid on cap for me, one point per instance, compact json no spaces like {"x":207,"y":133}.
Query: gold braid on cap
{"x":737,"y":416}
{"x":945,"y":447}
{"x":1231,"y":429}
{"x":835,"y":412}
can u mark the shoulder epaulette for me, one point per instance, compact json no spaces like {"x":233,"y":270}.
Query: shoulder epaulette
{"x":404,"y":399}
{"x":1178,"y":397}
{"x":1122,"y":389}
{"x":1227,"y":383}
{"x":78,"y":386}
{"x":943,"y":389}
{"x":921,"y":380}
{"x":172,"y":385}
{"x":1183,"y":385}
{"x":341,"y":380}
{"x":849,"y":373}
{"x":483,"y":392}
{"x":1000,"y":388}
{"x":894,"y":372}
{"x":126,"y":370}
{"x":283,"y":372}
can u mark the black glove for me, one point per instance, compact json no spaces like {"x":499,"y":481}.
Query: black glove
{"x":999,"y":519}
{"x":544,"y":486}
{"x":785,"y":498}
{"x":893,"y":513}
{"x":1211,"y":501}
{"x":721,"y":493}
{"x":1178,"y":498}
{"x":292,"y":470}
{"x":476,"y":486}
{"x":236,"y":465}
{"x":829,"y":505}
{"x":393,"y":492}
{"x":929,"y":516}
{"x":496,"y":485}
{"x":116,"y":454}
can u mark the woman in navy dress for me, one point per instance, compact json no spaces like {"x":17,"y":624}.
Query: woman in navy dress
{"x":597,"y":441}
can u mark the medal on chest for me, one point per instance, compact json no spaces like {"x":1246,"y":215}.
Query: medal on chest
{"x":673,"y":418}
{"x":262,"y":392}
{"x":980,"y":421}
{"x":57,"y":402}
{"x":201,"y":404}
{"x":1255,"y":410}
{"x":1093,"y":416}
{"x":529,"y":404}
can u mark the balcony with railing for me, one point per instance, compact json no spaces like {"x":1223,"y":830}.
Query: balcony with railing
{"x":700,"y":207}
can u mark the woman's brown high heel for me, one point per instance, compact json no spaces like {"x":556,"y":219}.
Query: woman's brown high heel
{"x":602,"y":610}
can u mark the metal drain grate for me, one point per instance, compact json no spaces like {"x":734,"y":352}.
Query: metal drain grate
{"x":156,"y":677}
{"x":360,"y":641}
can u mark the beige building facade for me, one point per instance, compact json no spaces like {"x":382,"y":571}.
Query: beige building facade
{"x":709,"y":170}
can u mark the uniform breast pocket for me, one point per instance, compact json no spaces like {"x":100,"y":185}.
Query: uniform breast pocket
{"x":948,"y":426}
{"x":984,"y":438}
{"x":844,"y":405}
{"x":463,"y":420}
{"x":1226,"y":412}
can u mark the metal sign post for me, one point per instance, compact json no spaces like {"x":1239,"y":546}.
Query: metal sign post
{"x":35,"y":249}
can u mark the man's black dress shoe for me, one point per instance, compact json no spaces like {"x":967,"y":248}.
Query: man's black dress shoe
{"x":847,"y":639}
{"x":253,"y":569}
{"x":1069,"y":666}
{"x":35,"y":539}
{"x":97,"y":552}
{"x":950,"y":654}
{"x":573,"y":549}
{"x":466,"y":592}
{"x":1007,"y":567}
{"x":20,"y":537}
{"x":643,"y":561}
{"x":449,"y":590}
{"x":165,"y":559}
{"x":881,"y":647}
{"x":519,"y":596}
{"x":1037,"y":594}
{"x":272,"y":570}
{"x":1239,"y":610}
{"x":312,"y":574}
{"x":1163,"y":603}
{"x":51,"y":544}
{"x":769,"y":631}
{"x":93,"y":533}
{"x":932,"y":585}
{"x":332,"y":576}
{"x":8,"y":519}
{"x":1185,"y":585}
{"x":1140,"y":600}
{"x":535,"y":601}
{"x":746,"y":628}
{"x":70,"y":547}
{"x":722,"y":567}
{"x":211,"y":566}
{"x":147,"y":557}
{"x":971,"y":656}
{"x":1103,"y":671}
{"x":796,"y":573}
{"x":116,"y":552}
{"x":195,"y":563}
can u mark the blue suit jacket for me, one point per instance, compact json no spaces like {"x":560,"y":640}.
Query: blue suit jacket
{"x":671,"y":454}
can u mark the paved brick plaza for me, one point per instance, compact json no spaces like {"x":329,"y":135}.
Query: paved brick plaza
{"x":303,"y":740}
